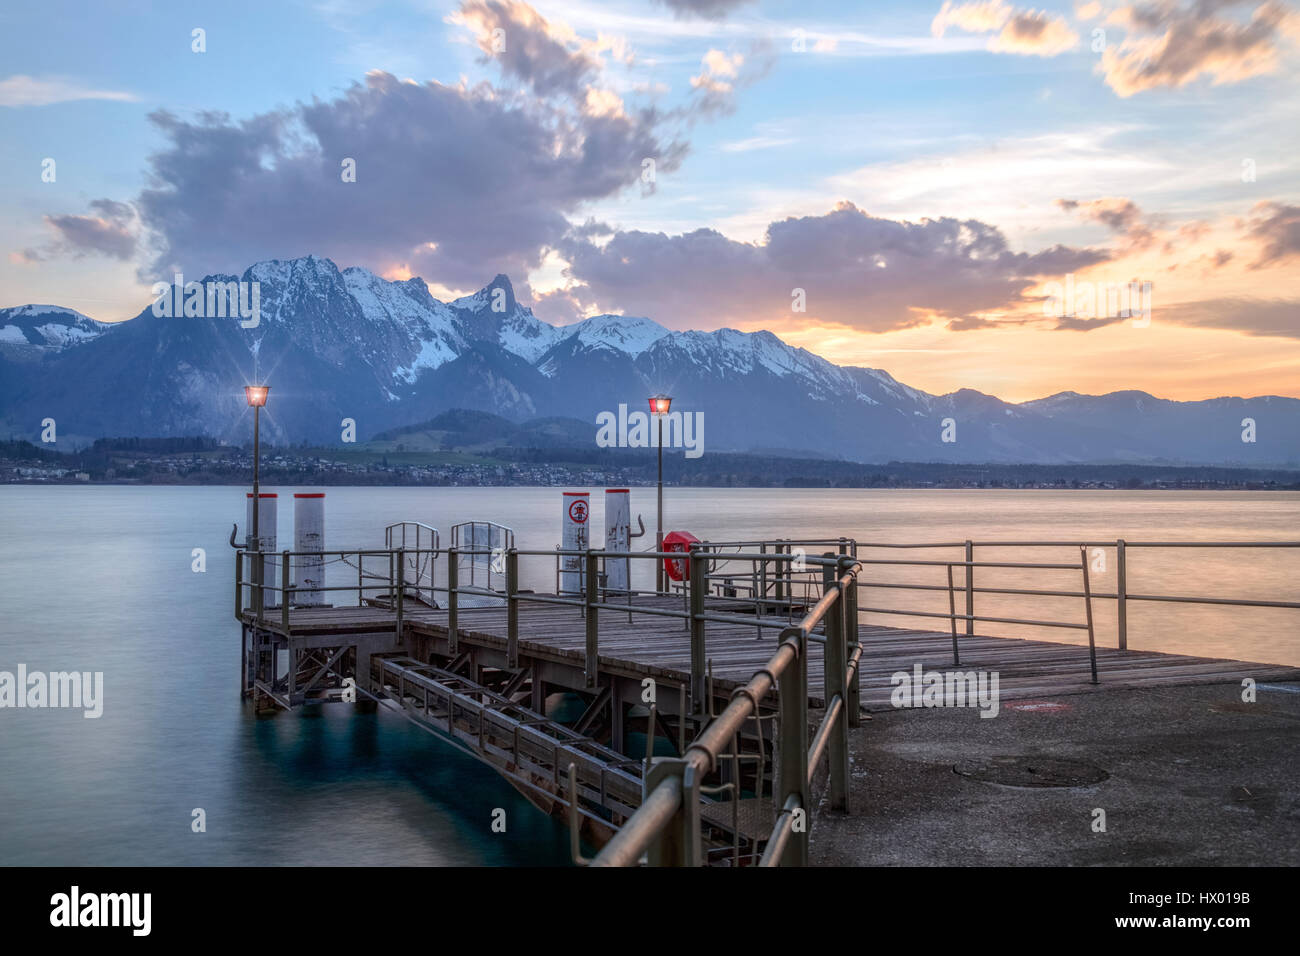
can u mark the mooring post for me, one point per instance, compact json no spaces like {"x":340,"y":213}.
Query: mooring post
{"x":1121,"y":590}
{"x":512,"y":608}
{"x":835,"y":684}
{"x":699,"y":662}
{"x":591,"y":667}
{"x":453,"y":572}
{"x":792,"y":749}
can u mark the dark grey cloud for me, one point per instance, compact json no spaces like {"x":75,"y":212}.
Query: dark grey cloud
{"x":456,"y":183}
{"x":708,"y":9}
{"x":1276,"y":226}
{"x":855,"y":269}
{"x":108,"y":232}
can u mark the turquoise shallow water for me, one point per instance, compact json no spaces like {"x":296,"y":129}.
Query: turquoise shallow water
{"x":100,"y":579}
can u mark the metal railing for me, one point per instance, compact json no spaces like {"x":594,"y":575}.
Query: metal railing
{"x":1121,"y":595}
{"x":762,"y":594}
{"x":667,"y":828}
{"x":385,"y":569}
{"x":421,"y":544}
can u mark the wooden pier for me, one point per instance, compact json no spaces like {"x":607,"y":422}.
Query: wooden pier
{"x":487,"y":693}
{"x":659,"y":648}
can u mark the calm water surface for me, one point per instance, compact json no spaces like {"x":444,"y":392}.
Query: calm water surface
{"x":100,"y":579}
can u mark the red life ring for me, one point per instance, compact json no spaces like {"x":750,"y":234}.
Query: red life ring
{"x":678,"y":569}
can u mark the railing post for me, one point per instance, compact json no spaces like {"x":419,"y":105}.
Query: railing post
{"x":1087,"y":604}
{"x":699,"y":663}
{"x":1121,"y":590}
{"x":591,"y":667}
{"x":453,"y":584}
{"x":792,"y":748}
{"x":259,"y":584}
{"x":239,"y":585}
{"x":854,"y":640}
{"x":952,"y":619}
{"x":779,"y":574}
{"x":970,"y":590}
{"x":678,"y":843}
{"x":512,"y":608}
{"x":284,"y":592}
{"x":835,"y":669}
{"x":400,"y":596}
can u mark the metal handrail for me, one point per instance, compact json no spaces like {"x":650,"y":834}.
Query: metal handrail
{"x":842,"y":576}
{"x":672,"y":796}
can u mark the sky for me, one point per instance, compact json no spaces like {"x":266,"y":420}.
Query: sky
{"x":1022,"y":200}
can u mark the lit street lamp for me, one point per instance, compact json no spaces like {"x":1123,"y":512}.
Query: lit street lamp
{"x":256,"y":395}
{"x":659,"y":405}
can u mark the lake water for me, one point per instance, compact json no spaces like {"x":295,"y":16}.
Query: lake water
{"x":100,"y":579}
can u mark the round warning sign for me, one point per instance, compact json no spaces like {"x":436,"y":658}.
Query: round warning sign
{"x":578,"y":510}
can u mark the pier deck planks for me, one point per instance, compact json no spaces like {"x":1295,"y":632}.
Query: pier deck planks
{"x":660,"y":647}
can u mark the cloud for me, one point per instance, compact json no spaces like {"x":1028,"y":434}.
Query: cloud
{"x":723,"y":74}
{"x":1025,"y":32}
{"x":110,"y":233}
{"x":1276,"y":226}
{"x":855,"y":269}
{"x":1120,"y":215}
{"x":20,"y":90}
{"x":1168,"y":44}
{"x":708,"y":9}
{"x":549,"y":57}
{"x":1033,"y":33}
{"x":1071,"y":323}
{"x":453,"y":182}
{"x":1278,"y":318}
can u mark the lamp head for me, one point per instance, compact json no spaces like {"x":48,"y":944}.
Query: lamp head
{"x":660,"y":404}
{"x":256,"y":395}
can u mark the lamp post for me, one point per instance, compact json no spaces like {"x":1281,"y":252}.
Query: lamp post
{"x":659,"y":405}
{"x":256,"y":396}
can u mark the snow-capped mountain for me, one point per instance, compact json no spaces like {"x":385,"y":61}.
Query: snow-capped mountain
{"x":347,"y":344}
{"x":30,"y":331}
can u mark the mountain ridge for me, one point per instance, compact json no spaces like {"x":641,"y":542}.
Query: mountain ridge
{"x":387,"y":353}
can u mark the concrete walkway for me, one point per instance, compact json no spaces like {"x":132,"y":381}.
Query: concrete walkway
{"x":1193,"y":776}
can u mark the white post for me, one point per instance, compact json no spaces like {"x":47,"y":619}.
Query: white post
{"x":577,"y":511}
{"x":308,"y":535}
{"x":618,"y":537}
{"x":266,"y":519}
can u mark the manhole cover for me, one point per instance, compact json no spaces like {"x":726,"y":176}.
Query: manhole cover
{"x":1031,"y":771}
